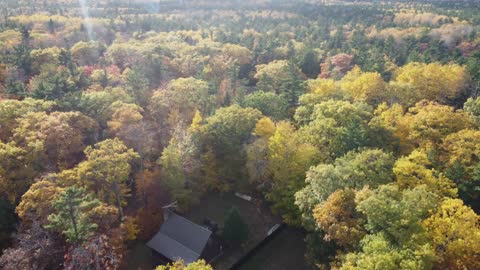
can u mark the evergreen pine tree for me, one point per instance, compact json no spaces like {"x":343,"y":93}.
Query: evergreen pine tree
{"x":235,"y":230}
{"x":72,"y":215}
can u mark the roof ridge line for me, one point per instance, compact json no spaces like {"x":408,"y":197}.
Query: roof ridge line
{"x":193,"y":223}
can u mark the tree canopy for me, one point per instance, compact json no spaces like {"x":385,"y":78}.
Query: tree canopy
{"x":355,"y":122}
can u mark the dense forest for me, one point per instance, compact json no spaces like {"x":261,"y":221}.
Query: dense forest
{"x":357,"y":122}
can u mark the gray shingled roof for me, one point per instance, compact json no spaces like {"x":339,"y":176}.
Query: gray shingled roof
{"x":179,"y":238}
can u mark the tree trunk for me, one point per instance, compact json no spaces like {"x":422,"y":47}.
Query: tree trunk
{"x":116,"y":191}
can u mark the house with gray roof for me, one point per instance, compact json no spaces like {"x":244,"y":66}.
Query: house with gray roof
{"x":180,"y":238}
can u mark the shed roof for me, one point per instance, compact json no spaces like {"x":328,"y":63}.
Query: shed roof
{"x":179,"y":238}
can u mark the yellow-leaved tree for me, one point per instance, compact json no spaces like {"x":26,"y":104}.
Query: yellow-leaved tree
{"x":463,"y":147}
{"x":180,"y":265}
{"x":364,"y":86}
{"x":425,"y":125}
{"x":288,"y":160}
{"x":265,"y":127}
{"x":339,"y":219}
{"x":36,"y":203}
{"x":455,"y":232}
{"x":413,"y":170}
{"x":324,"y":88}
{"x":433,"y":81}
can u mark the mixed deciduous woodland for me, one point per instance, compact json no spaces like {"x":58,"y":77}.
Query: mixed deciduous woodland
{"x":356,"y":122}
